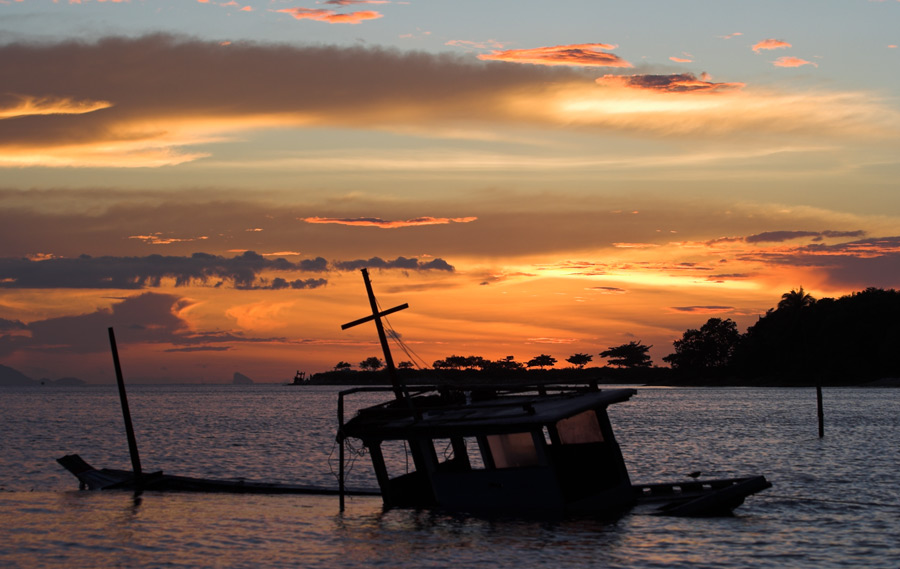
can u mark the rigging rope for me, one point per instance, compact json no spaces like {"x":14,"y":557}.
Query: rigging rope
{"x":402,"y":345}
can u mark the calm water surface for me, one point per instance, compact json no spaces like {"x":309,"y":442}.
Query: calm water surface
{"x":835,"y":501}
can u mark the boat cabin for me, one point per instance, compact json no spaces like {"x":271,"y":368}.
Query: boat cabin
{"x":516,"y":449}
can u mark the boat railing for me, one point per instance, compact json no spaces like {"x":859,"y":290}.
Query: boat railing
{"x":486,"y":395}
{"x":495,"y":389}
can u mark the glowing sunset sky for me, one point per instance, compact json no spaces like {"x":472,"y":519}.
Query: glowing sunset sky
{"x":208,"y":177}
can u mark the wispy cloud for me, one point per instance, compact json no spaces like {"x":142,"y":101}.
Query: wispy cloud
{"x":678,"y":83}
{"x":781,"y":236}
{"x":159,"y":239}
{"x":331,"y":16}
{"x":352,"y":2}
{"x":622,"y":245}
{"x":163,"y":115}
{"x":486,"y":44}
{"x":581,"y":55}
{"x":12,"y":106}
{"x":702,"y":309}
{"x":789,"y":61}
{"x":770,"y":44}
{"x":608,"y":289}
{"x":385,"y":224}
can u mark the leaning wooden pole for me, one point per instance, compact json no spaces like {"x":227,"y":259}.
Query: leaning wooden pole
{"x":400,"y":390}
{"x":382,"y":337}
{"x":126,"y":414}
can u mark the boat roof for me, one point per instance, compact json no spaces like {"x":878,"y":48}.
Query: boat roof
{"x":434,"y":417}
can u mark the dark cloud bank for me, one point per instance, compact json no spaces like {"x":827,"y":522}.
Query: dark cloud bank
{"x":242,"y":271}
{"x":150,"y":318}
{"x":155,"y":76}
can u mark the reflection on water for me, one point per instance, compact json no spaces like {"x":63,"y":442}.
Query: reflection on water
{"x":834,"y":502}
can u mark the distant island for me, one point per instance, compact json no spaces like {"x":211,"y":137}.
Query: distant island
{"x":652,"y":377}
{"x":10,"y":377}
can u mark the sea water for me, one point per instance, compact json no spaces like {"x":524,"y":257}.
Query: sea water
{"x":835,"y":501}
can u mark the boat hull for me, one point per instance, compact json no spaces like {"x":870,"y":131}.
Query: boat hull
{"x":91,"y":478}
{"x":698,"y":498}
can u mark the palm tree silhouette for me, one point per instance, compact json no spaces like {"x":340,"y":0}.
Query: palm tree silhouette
{"x":795,"y":300}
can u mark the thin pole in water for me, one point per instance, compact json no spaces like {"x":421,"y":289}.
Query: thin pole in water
{"x":340,"y":439}
{"x":820,"y":411}
{"x":126,"y":414}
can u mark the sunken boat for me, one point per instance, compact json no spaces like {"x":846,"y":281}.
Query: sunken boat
{"x":495,"y":448}
{"x":512,"y":449}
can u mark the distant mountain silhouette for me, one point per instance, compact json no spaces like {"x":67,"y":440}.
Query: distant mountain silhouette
{"x":241,"y":379}
{"x":11,"y":377}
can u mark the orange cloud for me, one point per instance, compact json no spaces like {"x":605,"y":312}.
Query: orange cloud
{"x":681,"y":59}
{"x":792,"y":62}
{"x":158,"y":239}
{"x":351,"y":2}
{"x":770,"y":44}
{"x":376,"y":222}
{"x":678,"y":83}
{"x":729,"y":36}
{"x":584,"y":55}
{"x":260,"y":316}
{"x":635,"y":245}
{"x":331,"y":16}
{"x":28,"y":105}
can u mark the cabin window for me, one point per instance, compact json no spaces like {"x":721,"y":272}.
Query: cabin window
{"x":458,"y":454}
{"x":443,"y":448}
{"x":581,"y":428}
{"x":548,"y":440}
{"x":513,"y":450}
{"x":474,"y":451}
{"x":397,"y":458}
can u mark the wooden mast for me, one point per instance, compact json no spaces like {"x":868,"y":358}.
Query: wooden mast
{"x":126,"y":413}
{"x":399,"y":389}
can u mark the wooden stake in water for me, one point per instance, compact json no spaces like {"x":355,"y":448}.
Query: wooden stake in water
{"x":126,"y":414}
{"x":821,"y":412}
{"x":340,"y":439}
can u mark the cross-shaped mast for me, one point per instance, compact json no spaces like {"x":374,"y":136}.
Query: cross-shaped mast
{"x":399,"y":388}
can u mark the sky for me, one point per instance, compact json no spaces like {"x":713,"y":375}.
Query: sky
{"x":208,"y":178}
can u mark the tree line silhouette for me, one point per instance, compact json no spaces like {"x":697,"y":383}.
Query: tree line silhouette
{"x":849,"y":339}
